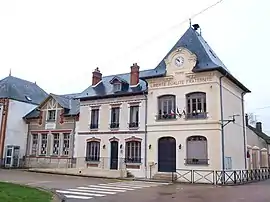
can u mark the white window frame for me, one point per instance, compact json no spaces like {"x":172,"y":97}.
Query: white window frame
{"x":53,"y":144}
{"x":40,"y":148}
{"x":117,"y":87}
{"x":37,"y":145}
{"x":65,"y":149}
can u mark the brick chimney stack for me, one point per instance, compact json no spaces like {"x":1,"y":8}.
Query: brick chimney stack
{"x":134,"y":74}
{"x":259,"y":126}
{"x":97,"y":76}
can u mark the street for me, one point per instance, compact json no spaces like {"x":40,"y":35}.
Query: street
{"x":80,"y":189}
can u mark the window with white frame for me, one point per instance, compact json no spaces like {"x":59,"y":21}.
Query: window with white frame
{"x":51,"y":115}
{"x":133,"y":152}
{"x":166,"y":107}
{"x":115,"y":115}
{"x":56,"y":144}
{"x":34,"y":147}
{"x":94,"y":118}
{"x":44,"y":144}
{"x":134,"y":116}
{"x":117,"y":87}
{"x":66,"y":140}
{"x":197,"y":151}
{"x":93,"y":151}
{"x":196,"y":105}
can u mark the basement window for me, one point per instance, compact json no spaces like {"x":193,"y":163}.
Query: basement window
{"x":28,"y":98}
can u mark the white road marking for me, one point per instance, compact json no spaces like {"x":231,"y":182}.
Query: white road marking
{"x":77,"y":197}
{"x":91,"y":191}
{"x":78,"y":193}
{"x":85,"y":189}
{"x":106,"y":187}
{"x":124,"y":186}
{"x":103,"y":189}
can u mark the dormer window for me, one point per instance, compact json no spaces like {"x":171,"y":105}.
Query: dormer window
{"x":117,"y":87}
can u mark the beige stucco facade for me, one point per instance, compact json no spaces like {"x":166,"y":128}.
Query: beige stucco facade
{"x":181,"y":81}
{"x":105,"y":135}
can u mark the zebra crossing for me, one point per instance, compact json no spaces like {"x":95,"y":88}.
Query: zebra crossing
{"x":102,"y":190}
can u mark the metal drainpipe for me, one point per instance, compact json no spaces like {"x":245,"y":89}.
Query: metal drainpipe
{"x":244,"y":130}
{"x":73,"y":141}
{"x":222,"y":127}
{"x":145,"y":134}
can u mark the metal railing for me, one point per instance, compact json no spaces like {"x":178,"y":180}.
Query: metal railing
{"x":228,"y":177}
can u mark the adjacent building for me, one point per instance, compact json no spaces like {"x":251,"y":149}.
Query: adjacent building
{"x":187,"y":113}
{"x":111,"y":129}
{"x":17,"y":98}
{"x":51,"y":131}
{"x":258,"y":145}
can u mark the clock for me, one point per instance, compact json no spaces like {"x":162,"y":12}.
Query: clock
{"x":179,"y":61}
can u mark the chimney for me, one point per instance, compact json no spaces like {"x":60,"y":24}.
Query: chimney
{"x":259,"y":126}
{"x":246,"y":119}
{"x":97,"y":76}
{"x":134,"y":74}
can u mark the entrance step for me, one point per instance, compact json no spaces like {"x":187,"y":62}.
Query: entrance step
{"x":165,"y":176}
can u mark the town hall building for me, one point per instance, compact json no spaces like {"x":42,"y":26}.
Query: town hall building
{"x":187,"y":113}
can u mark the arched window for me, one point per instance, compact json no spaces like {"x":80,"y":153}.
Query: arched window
{"x":133,"y":152}
{"x":166,"y":107}
{"x":197,"y":150}
{"x":196,"y":105}
{"x":92,"y":151}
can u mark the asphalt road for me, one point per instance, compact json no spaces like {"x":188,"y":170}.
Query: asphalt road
{"x":80,"y":189}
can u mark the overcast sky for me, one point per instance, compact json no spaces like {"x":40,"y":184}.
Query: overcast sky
{"x":58,"y":43}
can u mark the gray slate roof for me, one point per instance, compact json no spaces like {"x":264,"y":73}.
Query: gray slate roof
{"x":21,"y":90}
{"x":261,"y":134}
{"x":105,"y":88}
{"x":207,"y":60}
{"x":67,"y":101}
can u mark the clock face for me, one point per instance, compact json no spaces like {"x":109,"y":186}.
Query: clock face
{"x":179,"y":61}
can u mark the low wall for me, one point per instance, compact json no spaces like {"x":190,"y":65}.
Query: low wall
{"x":91,"y":172}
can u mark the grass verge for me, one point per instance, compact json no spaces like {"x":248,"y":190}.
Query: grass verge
{"x":18,"y":193}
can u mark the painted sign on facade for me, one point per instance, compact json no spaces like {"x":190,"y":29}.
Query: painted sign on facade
{"x":187,"y":80}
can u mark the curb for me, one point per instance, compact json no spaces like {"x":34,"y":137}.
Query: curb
{"x":99,"y":177}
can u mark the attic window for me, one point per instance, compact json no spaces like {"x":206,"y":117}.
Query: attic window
{"x":28,"y":98}
{"x":117,"y":87}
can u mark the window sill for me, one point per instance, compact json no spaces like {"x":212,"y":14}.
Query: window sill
{"x":195,"y":118}
{"x":133,"y":165}
{"x":133,"y":128}
{"x":93,"y":129}
{"x":172,"y":119}
{"x":196,"y":164}
{"x":92,"y":161}
{"x":114,"y":129}
{"x":130,"y":163}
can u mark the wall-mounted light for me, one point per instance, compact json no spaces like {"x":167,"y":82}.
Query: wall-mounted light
{"x":149,"y":146}
{"x":104,"y":146}
{"x":180,"y":146}
{"x":121,"y":146}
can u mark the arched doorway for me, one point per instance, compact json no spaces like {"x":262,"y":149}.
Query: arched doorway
{"x":166,"y":154}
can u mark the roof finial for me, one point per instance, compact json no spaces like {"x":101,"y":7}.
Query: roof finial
{"x":189,"y":22}
{"x":10,"y":72}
